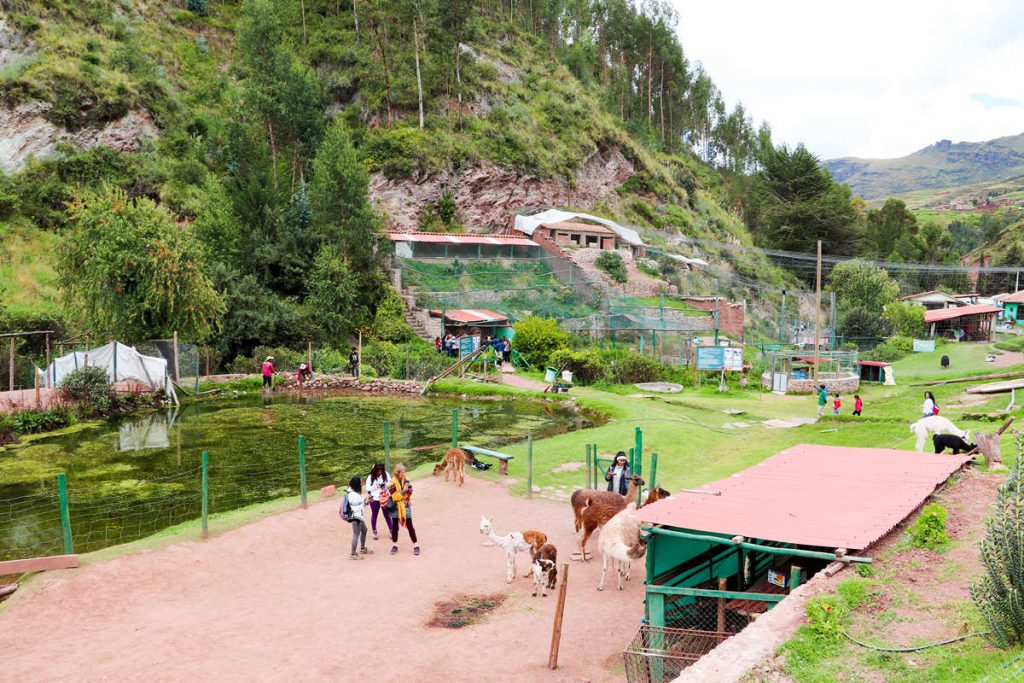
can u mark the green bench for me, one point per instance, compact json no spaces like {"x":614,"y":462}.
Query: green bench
{"x":502,"y":458}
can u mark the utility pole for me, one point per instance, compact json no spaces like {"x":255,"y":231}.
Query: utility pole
{"x":782,"y":320}
{"x":817,"y":316}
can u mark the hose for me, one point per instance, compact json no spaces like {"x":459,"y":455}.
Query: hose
{"x":914,"y":649}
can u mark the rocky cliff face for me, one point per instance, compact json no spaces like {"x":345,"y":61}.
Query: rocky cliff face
{"x":488,"y":195}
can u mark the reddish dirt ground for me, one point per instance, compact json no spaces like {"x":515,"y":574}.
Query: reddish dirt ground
{"x":279,"y":600}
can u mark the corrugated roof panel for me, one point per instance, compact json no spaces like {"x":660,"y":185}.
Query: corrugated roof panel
{"x":958,"y":312}
{"x":827,"y":496}
{"x":441,"y":238}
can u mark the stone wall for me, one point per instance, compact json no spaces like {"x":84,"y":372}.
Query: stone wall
{"x":844,"y":384}
{"x":730,"y":314}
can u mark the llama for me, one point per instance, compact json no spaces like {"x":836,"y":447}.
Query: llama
{"x":536,"y":539}
{"x":579,"y":496}
{"x":621,"y":543}
{"x":511,"y":543}
{"x":600,"y":506}
{"x":656,"y":494}
{"x":544,"y":569}
{"x":454,"y":463}
{"x":934,"y":424}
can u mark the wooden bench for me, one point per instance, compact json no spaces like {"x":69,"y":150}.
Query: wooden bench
{"x":502,"y":458}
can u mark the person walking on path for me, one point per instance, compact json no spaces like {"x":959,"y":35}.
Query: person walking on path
{"x":356,"y":505}
{"x":836,"y":405}
{"x":400,"y":497}
{"x":617,"y":475}
{"x":930,"y":407}
{"x":822,"y":400}
{"x":268,"y":373}
{"x":858,"y":404}
{"x":353,"y":362}
{"x":376,"y":487}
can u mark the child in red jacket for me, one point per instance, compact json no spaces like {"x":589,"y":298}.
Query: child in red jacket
{"x":836,"y":405}
{"x":857,"y":404}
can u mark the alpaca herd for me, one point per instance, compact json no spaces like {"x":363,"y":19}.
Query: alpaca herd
{"x":621,"y":541}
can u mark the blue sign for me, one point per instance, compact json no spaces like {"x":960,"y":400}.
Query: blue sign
{"x":468,"y":345}
{"x":710,"y":357}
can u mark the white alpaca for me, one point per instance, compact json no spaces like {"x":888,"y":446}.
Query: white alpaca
{"x":621,"y":542}
{"x":935,"y":424}
{"x":511,"y":543}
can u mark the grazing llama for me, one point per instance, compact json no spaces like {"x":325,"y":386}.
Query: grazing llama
{"x":511,"y":543}
{"x":454,"y":463}
{"x":934,"y":424}
{"x":544,"y":569}
{"x":621,"y":543}
{"x":594,"y":508}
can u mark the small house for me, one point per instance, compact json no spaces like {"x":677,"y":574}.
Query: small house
{"x":1013,"y":307}
{"x":966,"y":323}
{"x":475,"y":321}
{"x":933,"y":300}
{"x":873,"y":370}
{"x":568,"y":228}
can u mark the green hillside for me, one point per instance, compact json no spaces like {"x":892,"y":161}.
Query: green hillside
{"x":942,"y":165}
{"x":272,"y":118}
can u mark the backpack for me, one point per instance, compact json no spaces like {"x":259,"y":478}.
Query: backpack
{"x":346,"y":510}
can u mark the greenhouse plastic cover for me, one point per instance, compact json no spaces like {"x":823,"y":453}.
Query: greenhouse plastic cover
{"x":122,"y":362}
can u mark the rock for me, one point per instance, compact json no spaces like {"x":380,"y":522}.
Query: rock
{"x":535,"y":489}
{"x":487,"y":194}
{"x":328,"y":491}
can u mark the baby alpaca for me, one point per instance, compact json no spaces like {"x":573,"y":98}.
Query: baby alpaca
{"x":454,"y":463}
{"x":944,"y":441}
{"x":544,"y":569}
{"x":536,"y":539}
{"x":510,"y":543}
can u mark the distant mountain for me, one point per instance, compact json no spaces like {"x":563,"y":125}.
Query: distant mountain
{"x":942,"y":165}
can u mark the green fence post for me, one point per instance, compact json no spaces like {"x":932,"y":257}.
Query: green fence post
{"x":302,"y":469}
{"x":654,"y":469}
{"x":639,"y":451}
{"x":205,"y":488}
{"x":794,"y":578}
{"x":529,"y":465}
{"x":641,"y":342}
{"x":455,"y":427}
{"x":632,"y":459}
{"x":65,"y":514}
{"x":387,"y":446}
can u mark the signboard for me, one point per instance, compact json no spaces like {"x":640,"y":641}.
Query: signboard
{"x":924,"y":345}
{"x":719,"y":358}
{"x":776,"y":578}
{"x":468,"y":345}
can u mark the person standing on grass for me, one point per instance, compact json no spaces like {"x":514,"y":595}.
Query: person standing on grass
{"x":356,"y":506}
{"x":617,"y":475}
{"x":930,"y":407}
{"x":353,"y":362}
{"x":822,"y":400}
{"x":400,"y":497}
{"x":836,"y":405}
{"x":377,"y":486}
{"x":858,"y":404}
{"x":268,"y":373}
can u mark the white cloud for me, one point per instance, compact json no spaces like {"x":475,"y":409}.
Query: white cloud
{"x":876,"y":78}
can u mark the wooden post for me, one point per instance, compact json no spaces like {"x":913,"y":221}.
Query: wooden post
{"x":529,"y":465}
{"x":35,"y":380}
{"x":359,"y":367}
{"x":556,"y":631}
{"x":309,"y":355}
{"x":722,"y":585}
{"x":205,"y":487}
{"x":207,"y":362}
{"x":48,"y":360}
{"x":10,"y":370}
{"x":302,"y":469}
{"x":174,"y":356}
{"x":65,"y":513}
{"x":817,"y":316}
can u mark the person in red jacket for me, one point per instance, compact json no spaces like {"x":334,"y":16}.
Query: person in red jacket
{"x":858,"y":403}
{"x":268,"y":373}
{"x":836,"y":405}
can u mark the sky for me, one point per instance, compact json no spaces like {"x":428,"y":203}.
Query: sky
{"x":867,"y":79}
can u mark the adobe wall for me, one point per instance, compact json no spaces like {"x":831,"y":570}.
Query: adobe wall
{"x":846,"y":384}
{"x":730,"y":315}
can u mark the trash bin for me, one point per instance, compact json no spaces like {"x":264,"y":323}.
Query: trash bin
{"x":550,"y":375}
{"x":567,"y":376}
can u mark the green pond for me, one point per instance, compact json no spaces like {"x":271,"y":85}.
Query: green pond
{"x":132,"y":478}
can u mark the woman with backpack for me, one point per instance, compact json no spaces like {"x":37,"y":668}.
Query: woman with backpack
{"x":930,"y":407}
{"x":400,"y":503}
{"x":352,"y":511}
{"x":376,"y":486}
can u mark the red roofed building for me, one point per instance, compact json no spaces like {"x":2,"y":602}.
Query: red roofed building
{"x":965,"y":323}
{"x":442,"y":245}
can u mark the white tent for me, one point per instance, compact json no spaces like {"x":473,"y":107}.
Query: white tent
{"x":527,"y":224}
{"x":121,"y":362}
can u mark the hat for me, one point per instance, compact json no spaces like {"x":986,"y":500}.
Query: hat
{"x":270,"y":358}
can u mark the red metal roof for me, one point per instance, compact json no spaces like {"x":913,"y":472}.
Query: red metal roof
{"x":445,"y":238}
{"x":1015,"y":298}
{"x":940,"y":314}
{"x":827,"y":496}
{"x":873,"y":363}
{"x":470,"y":315}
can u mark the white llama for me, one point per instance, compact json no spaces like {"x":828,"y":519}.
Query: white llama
{"x":620,"y":542}
{"x":511,"y":543}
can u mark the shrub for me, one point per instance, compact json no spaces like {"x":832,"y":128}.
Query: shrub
{"x":197,"y":7}
{"x":905,"y":319}
{"x":35,"y":421}
{"x":90,"y":387}
{"x":389,"y":323}
{"x":826,"y":613}
{"x":929,"y":531}
{"x":382,"y":356}
{"x":284,"y":359}
{"x":892,"y":349}
{"x":611,"y":263}
{"x":633,"y":368}
{"x":537,"y":338}
{"x":997,"y":594}
{"x":586,"y":365}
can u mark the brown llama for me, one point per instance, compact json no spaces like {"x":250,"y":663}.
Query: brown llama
{"x":454,"y":463}
{"x":655,"y":495}
{"x":579,"y":496}
{"x":600,"y":506}
{"x":544,"y":569}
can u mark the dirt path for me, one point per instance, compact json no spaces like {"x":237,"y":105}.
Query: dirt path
{"x":279,"y":600}
{"x":514,"y":380}
{"x":1005,"y":359}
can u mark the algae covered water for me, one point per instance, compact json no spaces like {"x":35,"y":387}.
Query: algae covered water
{"x":130,"y":479}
